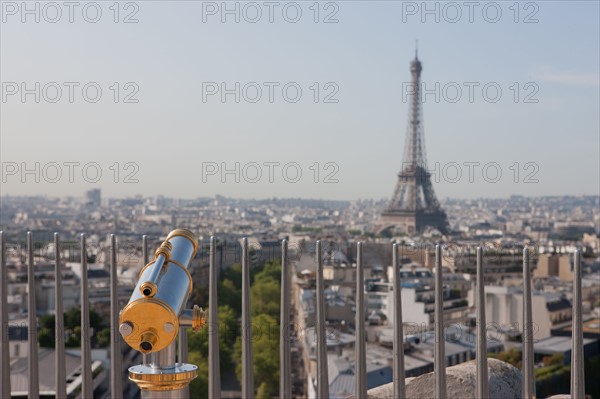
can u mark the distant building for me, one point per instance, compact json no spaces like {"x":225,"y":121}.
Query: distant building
{"x":19,"y":373}
{"x":342,"y":378}
{"x":340,"y":274}
{"x":591,"y":240}
{"x":504,"y":310}
{"x":460,"y":346}
{"x":562,"y":345}
{"x":341,"y":366}
{"x":337,"y":308}
{"x":559,"y":265}
{"x":591,"y":329}
{"x":44,"y":288}
{"x":573,"y":230}
{"x":93,"y":197}
{"x":417,"y":291}
{"x":459,"y":341}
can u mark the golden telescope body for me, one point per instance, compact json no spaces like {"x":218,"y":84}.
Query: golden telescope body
{"x":154,"y":315}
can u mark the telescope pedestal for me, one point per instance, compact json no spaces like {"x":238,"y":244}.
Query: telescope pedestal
{"x":163,"y":378}
{"x":175,"y":394}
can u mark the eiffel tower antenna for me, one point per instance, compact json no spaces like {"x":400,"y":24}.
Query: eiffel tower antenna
{"x":416,"y":49}
{"x":414,"y":205}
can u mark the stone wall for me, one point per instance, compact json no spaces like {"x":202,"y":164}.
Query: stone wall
{"x":504,"y":383}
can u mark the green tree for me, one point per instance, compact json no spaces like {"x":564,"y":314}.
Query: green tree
{"x":199,"y":385}
{"x":71,"y":327}
{"x":512,"y":356}
{"x":228,"y":294}
{"x":265,"y":348}
{"x":263,"y":392}
{"x":265,"y":297}
{"x":46,"y":338}
{"x":47,"y":321}
{"x":233,"y":273}
{"x":228,"y":324}
{"x":198,"y":342}
{"x":74,"y":337}
{"x":46,"y":333}
{"x":199,"y":295}
{"x":72,"y":319}
{"x":271,"y":270}
{"x":103,"y":337}
{"x":554,"y":360}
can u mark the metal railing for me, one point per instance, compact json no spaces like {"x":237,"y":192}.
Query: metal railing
{"x":247,"y":383}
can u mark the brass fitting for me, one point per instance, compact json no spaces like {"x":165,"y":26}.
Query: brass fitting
{"x":198,"y":318}
{"x":194,"y":318}
{"x":148,"y":341}
{"x":171,"y":379}
{"x":148,"y":289}
{"x":145,"y":318}
{"x":164,"y":249}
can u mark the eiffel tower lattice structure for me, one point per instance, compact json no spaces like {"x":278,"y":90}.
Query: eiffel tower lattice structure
{"x":414,"y":205}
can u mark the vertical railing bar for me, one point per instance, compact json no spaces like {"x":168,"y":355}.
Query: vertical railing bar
{"x":360,"y":376}
{"x":320,"y":330}
{"x":146,"y":260}
{"x":577,"y":369}
{"x":482,"y":364}
{"x":527,"y":350}
{"x":182,"y":345}
{"x":440,"y":341}
{"x":399,"y":382}
{"x":182,"y":348}
{"x":145,"y":255}
{"x":247,"y":356}
{"x":214,"y":373}
{"x":34,"y":388}
{"x":59,"y":332}
{"x":86,"y":352}
{"x":145,"y":250}
{"x":116,"y":368}
{"x":285,"y":385}
{"x":5,"y":390}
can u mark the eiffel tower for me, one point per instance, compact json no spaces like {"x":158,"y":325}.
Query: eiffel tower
{"x":414,"y":205}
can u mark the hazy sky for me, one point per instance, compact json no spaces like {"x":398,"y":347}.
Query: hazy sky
{"x":349,"y":122}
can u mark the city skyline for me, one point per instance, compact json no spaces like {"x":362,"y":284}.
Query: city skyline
{"x":383,"y":200}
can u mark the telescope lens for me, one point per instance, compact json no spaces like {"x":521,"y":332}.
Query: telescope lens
{"x":146,"y":346}
{"x":147,"y":291}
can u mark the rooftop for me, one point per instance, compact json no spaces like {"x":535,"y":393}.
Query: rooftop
{"x":19,"y":374}
{"x":553,"y":344}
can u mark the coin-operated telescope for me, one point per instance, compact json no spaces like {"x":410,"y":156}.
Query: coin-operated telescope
{"x":155,"y":315}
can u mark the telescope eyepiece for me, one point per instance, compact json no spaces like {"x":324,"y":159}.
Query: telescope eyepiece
{"x":148,"y":342}
{"x":148,"y":289}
